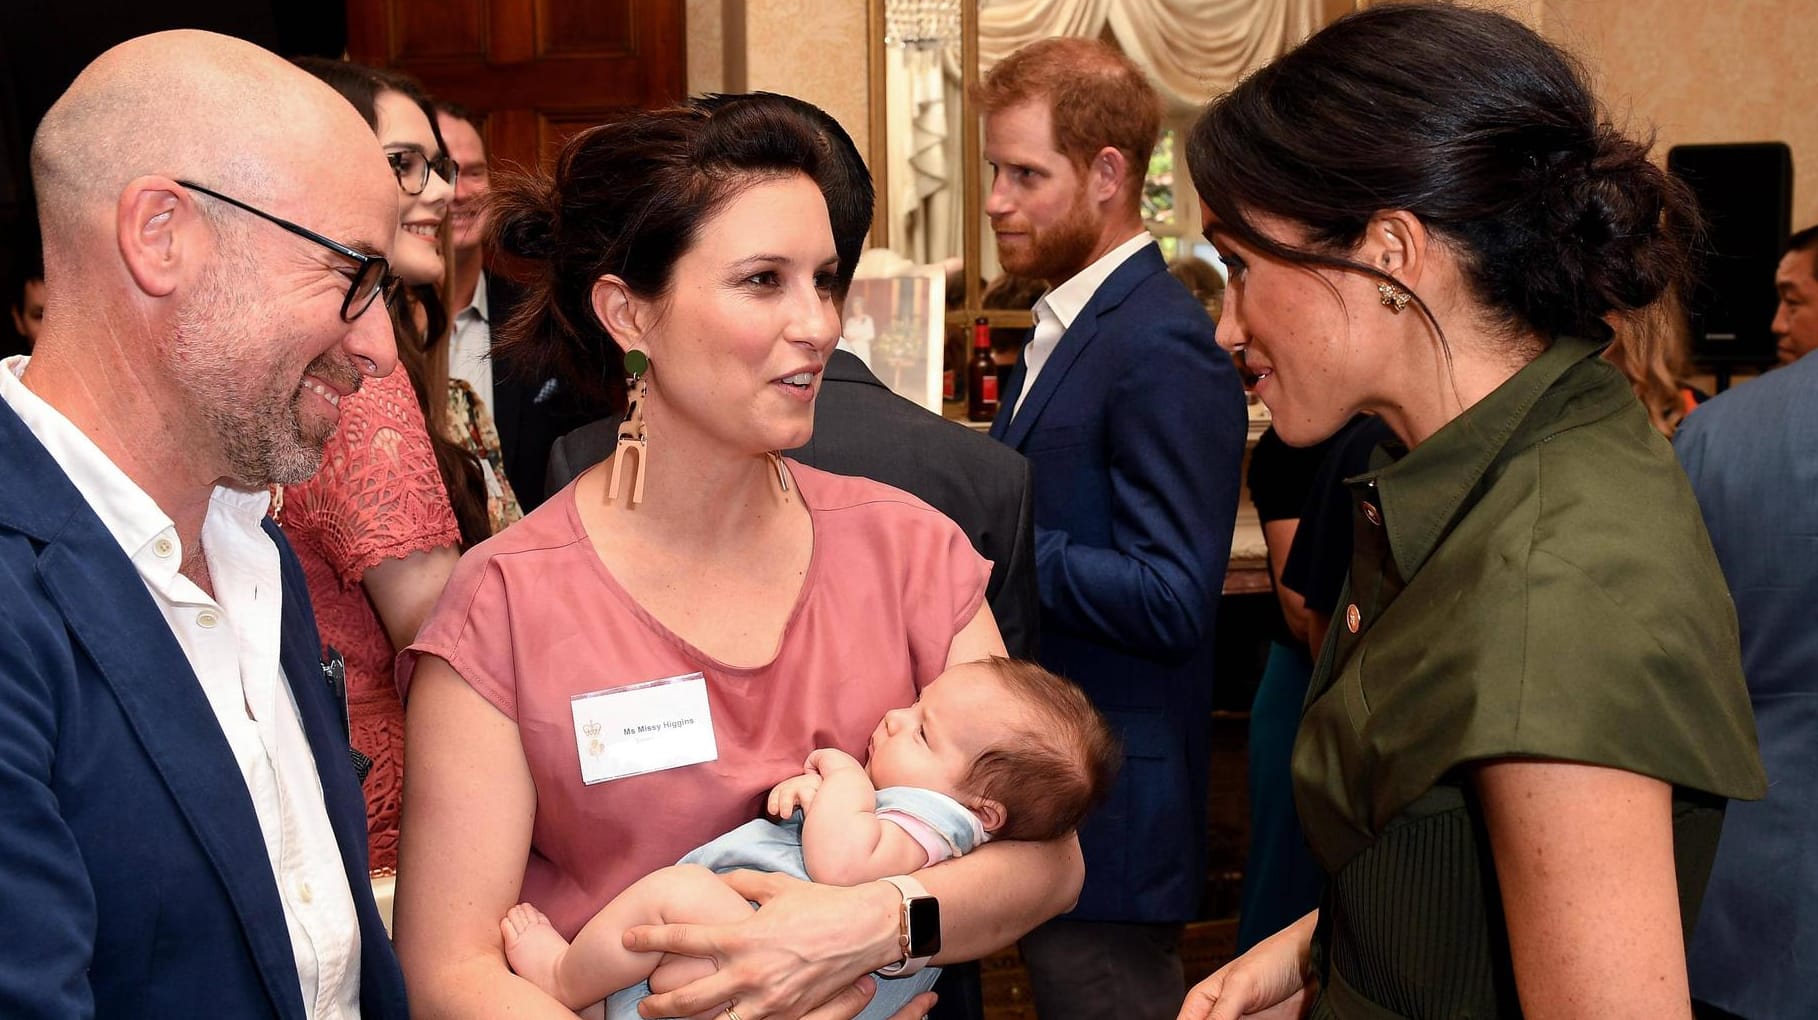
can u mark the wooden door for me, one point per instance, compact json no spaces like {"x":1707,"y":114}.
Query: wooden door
{"x":537,"y":71}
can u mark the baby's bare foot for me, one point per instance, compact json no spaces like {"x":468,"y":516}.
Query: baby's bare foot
{"x":533,"y":947}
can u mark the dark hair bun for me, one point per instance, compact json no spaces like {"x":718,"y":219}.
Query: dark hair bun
{"x":1477,"y":125}
{"x":523,"y":223}
{"x":1612,"y":233}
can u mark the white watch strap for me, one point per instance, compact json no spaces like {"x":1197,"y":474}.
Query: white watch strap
{"x":908,"y":964}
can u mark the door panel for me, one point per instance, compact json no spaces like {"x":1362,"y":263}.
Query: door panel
{"x":536,"y":71}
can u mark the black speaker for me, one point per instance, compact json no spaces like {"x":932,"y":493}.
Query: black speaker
{"x":1746,"y":193}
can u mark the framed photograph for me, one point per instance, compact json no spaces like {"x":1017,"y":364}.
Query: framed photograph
{"x":895,"y":324}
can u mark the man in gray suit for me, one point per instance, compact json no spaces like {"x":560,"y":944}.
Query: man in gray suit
{"x":861,"y":428}
{"x":1754,"y":466}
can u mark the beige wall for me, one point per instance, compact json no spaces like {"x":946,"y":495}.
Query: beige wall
{"x":1529,"y":11}
{"x":705,"y":24}
{"x":1697,"y":71}
{"x":1736,"y":71}
{"x":811,"y":49}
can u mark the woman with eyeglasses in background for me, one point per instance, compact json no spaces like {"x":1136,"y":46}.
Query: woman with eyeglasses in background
{"x":381,"y":525}
{"x":465,"y":439}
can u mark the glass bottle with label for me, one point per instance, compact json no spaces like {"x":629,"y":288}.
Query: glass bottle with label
{"x":981,"y":375}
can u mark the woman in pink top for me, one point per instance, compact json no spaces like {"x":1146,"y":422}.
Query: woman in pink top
{"x":617,"y":679}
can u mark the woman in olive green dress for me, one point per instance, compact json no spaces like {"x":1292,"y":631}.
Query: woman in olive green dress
{"x":1530,"y":713}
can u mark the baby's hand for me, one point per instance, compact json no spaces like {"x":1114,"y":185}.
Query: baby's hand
{"x":794,"y":792}
{"x":828,"y":760}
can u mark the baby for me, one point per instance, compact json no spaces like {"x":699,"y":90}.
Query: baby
{"x":994,"y":749}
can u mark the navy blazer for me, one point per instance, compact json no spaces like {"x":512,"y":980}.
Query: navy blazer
{"x":530,"y":409}
{"x":130,"y":853}
{"x":1135,"y":430}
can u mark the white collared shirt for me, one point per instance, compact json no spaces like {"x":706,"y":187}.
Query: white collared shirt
{"x":470,"y":344}
{"x":1055,"y":312}
{"x":232,"y":641}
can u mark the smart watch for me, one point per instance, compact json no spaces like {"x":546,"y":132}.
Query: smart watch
{"x":919,"y":931}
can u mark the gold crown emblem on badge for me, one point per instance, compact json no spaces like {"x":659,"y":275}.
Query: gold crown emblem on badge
{"x":592,"y":729}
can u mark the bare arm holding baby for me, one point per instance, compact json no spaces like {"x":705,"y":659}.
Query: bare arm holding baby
{"x":844,"y":840}
{"x":808,"y":941}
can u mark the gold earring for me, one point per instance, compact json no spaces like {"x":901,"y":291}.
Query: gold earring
{"x":633,"y":445}
{"x":1393,"y":297}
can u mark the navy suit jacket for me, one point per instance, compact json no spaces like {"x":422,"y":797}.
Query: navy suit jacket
{"x":1135,"y":430}
{"x":530,"y":409}
{"x":130,"y":855}
{"x":1752,"y":461}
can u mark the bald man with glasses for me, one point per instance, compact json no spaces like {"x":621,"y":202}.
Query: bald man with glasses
{"x":181,"y":829}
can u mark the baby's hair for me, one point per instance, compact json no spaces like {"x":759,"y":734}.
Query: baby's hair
{"x":1050,"y":776}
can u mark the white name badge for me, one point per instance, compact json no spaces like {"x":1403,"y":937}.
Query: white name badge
{"x":647,"y":727}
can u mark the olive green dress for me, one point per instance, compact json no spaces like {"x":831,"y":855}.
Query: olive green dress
{"x":1532,"y":581}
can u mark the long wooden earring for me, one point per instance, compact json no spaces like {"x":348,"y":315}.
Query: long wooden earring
{"x":633,"y":445}
{"x":782,"y":473}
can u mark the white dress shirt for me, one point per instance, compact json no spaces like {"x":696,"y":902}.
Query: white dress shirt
{"x":1055,"y":312}
{"x":232,"y":641}
{"x":470,"y":344}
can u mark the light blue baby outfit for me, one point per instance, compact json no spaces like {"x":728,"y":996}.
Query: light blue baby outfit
{"x":764,"y":845}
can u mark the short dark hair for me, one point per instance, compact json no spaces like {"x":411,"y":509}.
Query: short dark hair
{"x":844,"y":180}
{"x":1804,"y":240}
{"x":28,"y":266}
{"x":1201,"y":280}
{"x":627,"y":198}
{"x":1479,"y":127}
{"x":455,"y":110}
{"x":1049,"y":778}
{"x":1009,"y":291}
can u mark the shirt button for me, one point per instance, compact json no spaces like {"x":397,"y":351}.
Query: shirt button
{"x":1353,"y":618}
{"x":305,"y":893}
{"x":163,"y":546}
{"x":206,"y":618}
{"x":1371,"y":514}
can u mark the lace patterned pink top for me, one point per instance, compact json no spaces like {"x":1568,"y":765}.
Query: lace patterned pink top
{"x":532,"y":618}
{"x":378,"y":496}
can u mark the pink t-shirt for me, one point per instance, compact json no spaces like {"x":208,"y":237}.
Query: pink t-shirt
{"x":532,"y":618}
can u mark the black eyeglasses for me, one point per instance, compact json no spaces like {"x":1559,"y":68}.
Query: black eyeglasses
{"x":372,"y":278}
{"x":413,"y":169}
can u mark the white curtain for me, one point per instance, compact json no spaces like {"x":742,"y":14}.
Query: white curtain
{"x":924,"y":153}
{"x":1005,"y":26}
{"x":1192,"y":49}
{"x":922,"y":97}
